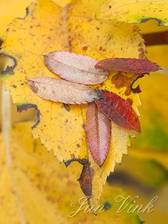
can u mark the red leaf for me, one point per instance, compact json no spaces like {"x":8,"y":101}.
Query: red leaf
{"x":118,"y":110}
{"x":98,"y":131}
{"x":129,"y":65}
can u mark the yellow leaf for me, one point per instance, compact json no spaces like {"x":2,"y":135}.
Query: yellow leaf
{"x":10,"y":9}
{"x":62,"y":3}
{"x":74,"y":28}
{"x":39,"y":190}
{"x":56,"y":122}
{"x":134,"y":11}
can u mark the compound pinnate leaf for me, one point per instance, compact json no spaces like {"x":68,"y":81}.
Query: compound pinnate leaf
{"x":62,"y":91}
{"x":133,"y":11}
{"x":75,"y":68}
{"x":129,"y":65}
{"x":98,"y":133}
{"x":118,"y":110}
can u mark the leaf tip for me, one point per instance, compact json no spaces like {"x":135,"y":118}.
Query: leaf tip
{"x":32,"y":85}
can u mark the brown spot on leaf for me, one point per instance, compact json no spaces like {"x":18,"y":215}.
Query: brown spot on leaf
{"x":85,"y":48}
{"x":120,"y":80}
{"x":123,"y":80}
{"x":33,"y":86}
{"x":67,"y":107}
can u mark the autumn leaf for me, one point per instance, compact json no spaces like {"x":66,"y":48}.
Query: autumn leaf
{"x":98,"y":133}
{"x":118,"y":110}
{"x":62,"y":91}
{"x":75,"y":68}
{"x":49,"y":28}
{"x":129,"y":65}
{"x":132,"y":11}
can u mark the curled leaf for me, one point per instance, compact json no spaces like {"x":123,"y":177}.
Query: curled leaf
{"x":98,"y":133}
{"x":74,"y":67}
{"x":23,"y":107}
{"x":118,"y":110}
{"x":130,"y":65}
{"x":62,"y":91}
{"x":7,"y":64}
{"x":85,"y":180}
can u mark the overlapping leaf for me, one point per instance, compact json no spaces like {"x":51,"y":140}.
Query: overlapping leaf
{"x":50,"y":28}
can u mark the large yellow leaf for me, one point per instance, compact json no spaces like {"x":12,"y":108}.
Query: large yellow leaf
{"x":46,"y":35}
{"x":134,"y":11}
{"x":74,"y":28}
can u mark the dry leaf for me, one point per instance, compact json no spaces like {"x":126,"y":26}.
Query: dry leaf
{"x":85,"y":180}
{"x":129,"y":65}
{"x":75,"y":68}
{"x":98,"y":133}
{"x":62,"y":91}
{"x":118,"y":110}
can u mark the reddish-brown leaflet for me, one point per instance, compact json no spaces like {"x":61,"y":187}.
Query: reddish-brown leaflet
{"x":98,"y":134}
{"x":118,"y":110}
{"x":129,"y":65}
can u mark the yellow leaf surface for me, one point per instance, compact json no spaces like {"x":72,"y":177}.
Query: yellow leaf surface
{"x":62,"y":3}
{"x":10,"y":9}
{"x":74,"y":28}
{"x":56,"y":121}
{"x":39,"y":190}
{"x":134,"y":11}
